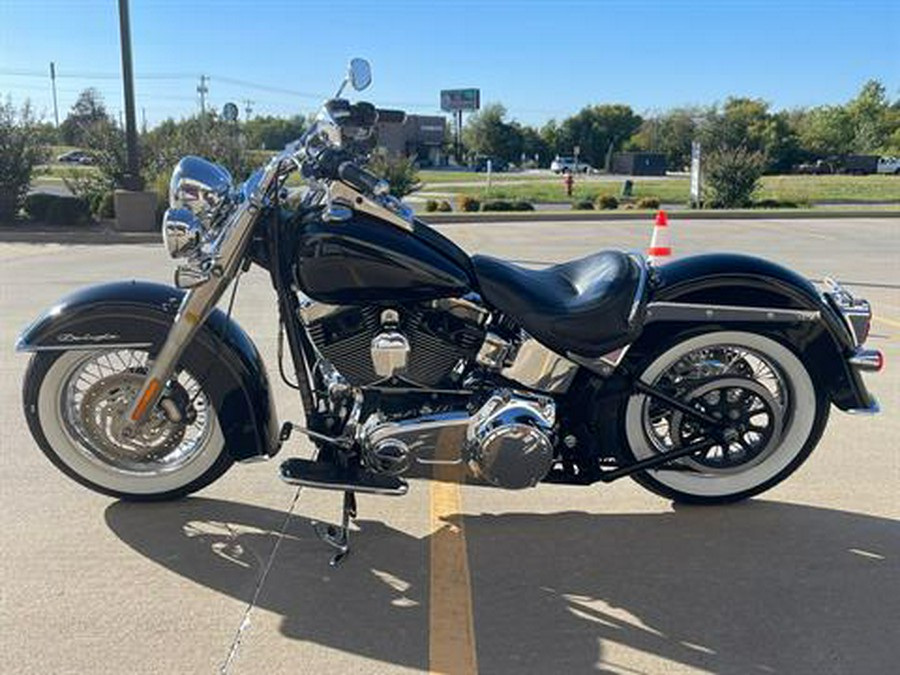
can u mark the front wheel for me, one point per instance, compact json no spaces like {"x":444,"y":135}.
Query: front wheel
{"x":75,"y":403}
{"x":775,"y":416}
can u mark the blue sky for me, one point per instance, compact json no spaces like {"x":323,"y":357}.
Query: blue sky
{"x":542,"y":59}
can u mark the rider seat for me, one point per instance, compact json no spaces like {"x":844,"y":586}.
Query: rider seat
{"x":588,"y":307}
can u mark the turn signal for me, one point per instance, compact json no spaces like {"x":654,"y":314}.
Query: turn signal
{"x":868,"y":360}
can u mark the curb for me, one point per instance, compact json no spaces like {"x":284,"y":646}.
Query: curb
{"x":588,"y":216}
{"x":85,"y":236}
{"x":107,"y":236}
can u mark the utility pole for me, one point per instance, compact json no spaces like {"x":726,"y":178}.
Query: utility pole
{"x":53,"y":85}
{"x":133,"y":176}
{"x":143,"y":120}
{"x":248,"y":108}
{"x":203,"y":90}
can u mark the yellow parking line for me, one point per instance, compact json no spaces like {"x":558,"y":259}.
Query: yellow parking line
{"x":889,"y":322}
{"x":451,"y":641}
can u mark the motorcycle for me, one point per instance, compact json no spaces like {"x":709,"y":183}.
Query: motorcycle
{"x":707,"y":380}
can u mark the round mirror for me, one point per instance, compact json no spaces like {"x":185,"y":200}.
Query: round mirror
{"x":360,"y":74}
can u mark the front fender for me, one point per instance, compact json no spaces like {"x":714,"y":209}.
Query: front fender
{"x":745,"y":281}
{"x":138,"y":314}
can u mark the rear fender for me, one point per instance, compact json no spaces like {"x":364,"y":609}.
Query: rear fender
{"x":139,"y":314}
{"x":807,"y":323}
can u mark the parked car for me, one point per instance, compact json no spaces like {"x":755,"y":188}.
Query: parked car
{"x":889,"y":165}
{"x":75,"y":157}
{"x":481,"y":163}
{"x":819,"y":167}
{"x":569,"y":165}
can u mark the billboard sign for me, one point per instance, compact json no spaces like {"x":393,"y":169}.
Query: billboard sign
{"x":453,"y":100}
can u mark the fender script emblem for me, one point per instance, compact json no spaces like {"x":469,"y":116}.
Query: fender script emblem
{"x":87,"y":337}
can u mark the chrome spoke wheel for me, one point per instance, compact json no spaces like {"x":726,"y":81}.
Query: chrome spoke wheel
{"x":96,"y":397}
{"x":772,"y":416}
{"x":79,"y":400}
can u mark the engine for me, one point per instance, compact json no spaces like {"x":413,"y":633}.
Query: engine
{"x":425,"y":344}
{"x":507,"y":442}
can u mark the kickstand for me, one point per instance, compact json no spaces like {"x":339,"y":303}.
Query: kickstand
{"x":339,"y":537}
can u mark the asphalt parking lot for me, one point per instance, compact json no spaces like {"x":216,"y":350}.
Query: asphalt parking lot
{"x":804,"y":579}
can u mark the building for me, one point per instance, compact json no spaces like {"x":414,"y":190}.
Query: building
{"x":420,"y":136}
{"x":638,"y":163}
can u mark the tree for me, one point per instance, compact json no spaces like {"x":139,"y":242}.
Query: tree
{"x":598,"y":131}
{"x":825,"y":131}
{"x":20,"y":152}
{"x":207,"y":136}
{"x":671,"y":134}
{"x":549,"y":134}
{"x":747,"y":123}
{"x":87,"y":111}
{"x":534,"y":147}
{"x":486,"y":133}
{"x":868,"y":114}
{"x":273,"y":133}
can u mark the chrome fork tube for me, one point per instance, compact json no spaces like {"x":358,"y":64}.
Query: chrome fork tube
{"x":194,"y":309}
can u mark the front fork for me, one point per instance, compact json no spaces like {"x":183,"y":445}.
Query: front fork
{"x":195,"y":307}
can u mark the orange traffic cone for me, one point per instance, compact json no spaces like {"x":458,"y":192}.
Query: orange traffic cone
{"x":660,"y":246}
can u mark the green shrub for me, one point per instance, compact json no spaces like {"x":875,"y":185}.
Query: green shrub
{"x":444,"y":206}
{"x":497,"y":205}
{"x":775,"y":204}
{"x":648,"y":203}
{"x":106,"y":206}
{"x":37,"y":205}
{"x":468,"y":203}
{"x":20,"y":152}
{"x":400,"y":172}
{"x":608,"y":202}
{"x":504,"y":205}
{"x":583,"y":205}
{"x":58,"y":209}
{"x":731,"y":177}
{"x":431,"y":206}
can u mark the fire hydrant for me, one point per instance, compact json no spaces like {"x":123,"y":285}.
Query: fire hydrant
{"x":569,"y":181}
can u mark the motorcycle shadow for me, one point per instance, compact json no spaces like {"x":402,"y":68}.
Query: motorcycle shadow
{"x":763,"y":587}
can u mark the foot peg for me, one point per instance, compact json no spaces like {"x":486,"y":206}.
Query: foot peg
{"x":325,"y":476}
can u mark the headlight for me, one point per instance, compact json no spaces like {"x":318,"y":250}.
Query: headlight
{"x":182,"y":232}
{"x":201,"y":187}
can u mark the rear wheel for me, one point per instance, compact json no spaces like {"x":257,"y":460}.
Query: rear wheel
{"x":760,"y":387}
{"x":75,"y":404}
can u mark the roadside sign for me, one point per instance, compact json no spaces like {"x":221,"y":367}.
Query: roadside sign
{"x":695,"y":173}
{"x":453,"y":100}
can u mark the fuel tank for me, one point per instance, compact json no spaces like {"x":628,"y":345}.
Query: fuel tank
{"x":365,"y":260}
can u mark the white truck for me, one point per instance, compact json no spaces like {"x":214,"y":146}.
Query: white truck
{"x":890,"y":165}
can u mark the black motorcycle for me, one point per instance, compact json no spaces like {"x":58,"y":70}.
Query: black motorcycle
{"x":708,"y":379}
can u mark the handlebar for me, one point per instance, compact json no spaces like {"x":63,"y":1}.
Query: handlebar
{"x":361,"y":179}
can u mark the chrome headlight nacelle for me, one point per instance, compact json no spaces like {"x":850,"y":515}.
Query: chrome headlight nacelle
{"x":182,"y":232}
{"x":199,"y":194}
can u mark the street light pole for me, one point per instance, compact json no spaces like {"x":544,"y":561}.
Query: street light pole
{"x":133,"y":177}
